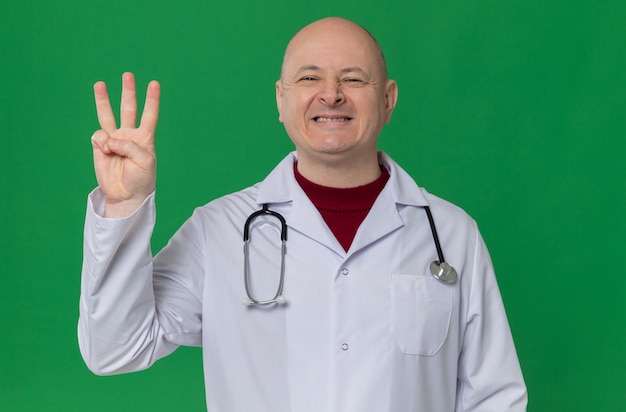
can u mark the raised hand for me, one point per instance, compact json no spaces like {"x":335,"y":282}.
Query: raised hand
{"x":124,"y":157}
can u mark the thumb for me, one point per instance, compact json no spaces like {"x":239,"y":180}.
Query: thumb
{"x":129,"y":149}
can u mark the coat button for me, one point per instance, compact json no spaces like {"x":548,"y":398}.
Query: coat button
{"x":345,"y":346}
{"x":345,"y":271}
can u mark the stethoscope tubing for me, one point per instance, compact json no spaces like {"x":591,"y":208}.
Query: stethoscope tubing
{"x":278,"y":298}
{"x":440,"y":269}
{"x":433,"y":230}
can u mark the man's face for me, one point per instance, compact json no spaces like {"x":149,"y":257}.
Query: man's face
{"x":333,"y":96}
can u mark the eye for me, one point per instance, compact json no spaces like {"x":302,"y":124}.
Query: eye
{"x":354,"y":81}
{"x":308,"y":78}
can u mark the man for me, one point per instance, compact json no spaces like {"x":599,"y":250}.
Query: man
{"x":365,"y":326}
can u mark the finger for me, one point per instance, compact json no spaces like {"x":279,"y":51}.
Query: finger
{"x":99,"y":141}
{"x":128,"y":109}
{"x":150,"y":113}
{"x":103,"y":107}
{"x":131,"y":150}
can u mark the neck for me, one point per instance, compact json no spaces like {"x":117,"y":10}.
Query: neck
{"x":340,"y":173}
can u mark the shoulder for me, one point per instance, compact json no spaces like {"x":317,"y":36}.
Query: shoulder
{"x":407,"y":193}
{"x":230,"y":205}
{"x":277,"y":187}
{"x":445,"y":208}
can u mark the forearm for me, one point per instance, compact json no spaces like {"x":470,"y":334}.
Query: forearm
{"x":118,"y":329}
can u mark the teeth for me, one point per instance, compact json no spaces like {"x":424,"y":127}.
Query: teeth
{"x":331,"y":119}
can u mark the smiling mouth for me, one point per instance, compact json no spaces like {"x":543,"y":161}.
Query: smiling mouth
{"x":322,"y":119}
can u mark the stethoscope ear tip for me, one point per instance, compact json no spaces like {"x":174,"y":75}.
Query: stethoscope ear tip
{"x":246,"y":302}
{"x":280,"y":300}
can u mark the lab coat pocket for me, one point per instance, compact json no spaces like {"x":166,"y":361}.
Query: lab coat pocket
{"x":421,"y":308}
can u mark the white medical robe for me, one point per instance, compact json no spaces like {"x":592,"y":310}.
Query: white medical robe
{"x":368,"y":330}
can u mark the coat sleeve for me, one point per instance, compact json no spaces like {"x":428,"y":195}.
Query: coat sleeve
{"x":490,"y":377}
{"x":130,"y":314}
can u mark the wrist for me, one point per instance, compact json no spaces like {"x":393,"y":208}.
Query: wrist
{"x":121,"y":209}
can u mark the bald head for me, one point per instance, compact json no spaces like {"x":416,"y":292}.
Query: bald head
{"x":334,"y":98}
{"x":332,"y":30}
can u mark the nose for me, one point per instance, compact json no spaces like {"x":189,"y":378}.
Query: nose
{"x":331,"y":93}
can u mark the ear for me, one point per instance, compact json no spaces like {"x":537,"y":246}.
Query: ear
{"x":279,"y":99}
{"x":391,"y":98}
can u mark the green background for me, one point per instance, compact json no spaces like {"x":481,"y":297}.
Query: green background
{"x":514,"y":110}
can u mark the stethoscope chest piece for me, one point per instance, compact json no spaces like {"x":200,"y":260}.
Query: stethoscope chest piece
{"x":443,"y":272}
{"x":440,"y":269}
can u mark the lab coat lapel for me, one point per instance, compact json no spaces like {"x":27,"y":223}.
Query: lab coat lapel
{"x":305,"y":218}
{"x":281,"y":189}
{"x":382,"y":219}
{"x":401,"y":190}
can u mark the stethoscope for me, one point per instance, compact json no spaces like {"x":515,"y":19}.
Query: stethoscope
{"x":440,"y":269}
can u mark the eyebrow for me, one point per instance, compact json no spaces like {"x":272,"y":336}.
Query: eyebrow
{"x":354,"y":69}
{"x":349,"y":69}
